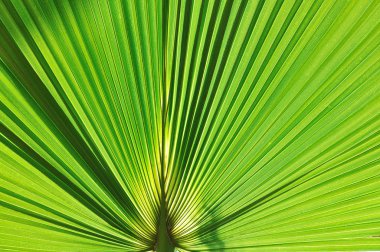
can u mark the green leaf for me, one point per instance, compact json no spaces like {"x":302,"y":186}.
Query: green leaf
{"x":189,"y":125}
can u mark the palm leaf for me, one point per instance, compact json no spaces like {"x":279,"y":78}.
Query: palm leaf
{"x":201,"y":125}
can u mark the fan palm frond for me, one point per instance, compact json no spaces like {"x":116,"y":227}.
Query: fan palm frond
{"x":189,"y":125}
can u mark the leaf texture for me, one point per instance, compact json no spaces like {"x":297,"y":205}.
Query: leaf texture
{"x":257,"y":122}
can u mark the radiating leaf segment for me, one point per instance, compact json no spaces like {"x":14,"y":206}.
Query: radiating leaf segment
{"x":202,"y":125}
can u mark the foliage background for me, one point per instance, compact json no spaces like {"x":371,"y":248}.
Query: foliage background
{"x":258,"y":121}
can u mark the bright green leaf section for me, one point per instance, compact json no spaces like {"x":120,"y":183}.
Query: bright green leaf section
{"x":204,"y":125}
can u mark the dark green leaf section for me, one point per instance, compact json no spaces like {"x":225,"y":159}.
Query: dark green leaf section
{"x":202,"y":125}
